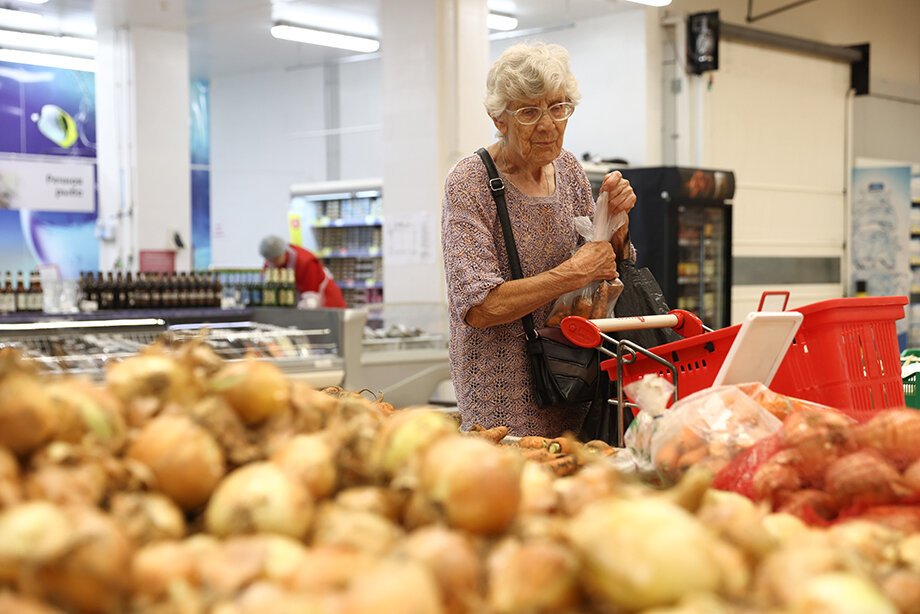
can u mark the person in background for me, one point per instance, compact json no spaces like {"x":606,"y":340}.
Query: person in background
{"x":314,"y":282}
{"x":530,"y":95}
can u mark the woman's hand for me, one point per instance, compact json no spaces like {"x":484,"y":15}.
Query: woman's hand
{"x":595,"y":261}
{"x":620,"y":198}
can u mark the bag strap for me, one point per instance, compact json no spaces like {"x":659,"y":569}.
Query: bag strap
{"x":497,"y":187}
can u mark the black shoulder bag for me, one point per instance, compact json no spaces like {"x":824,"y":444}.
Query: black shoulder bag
{"x":563,"y":374}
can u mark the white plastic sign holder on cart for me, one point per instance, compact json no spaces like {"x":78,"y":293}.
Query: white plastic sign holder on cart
{"x":759,"y":348}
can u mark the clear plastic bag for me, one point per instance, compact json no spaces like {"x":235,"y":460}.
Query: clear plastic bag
{"x":597,"y":299}
{"x":707,"y":428}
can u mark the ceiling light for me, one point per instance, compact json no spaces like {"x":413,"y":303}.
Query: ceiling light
{"x":652,"y":2}
{"x":34,"y":1}
{"x":20,"y":19}
{"x":47,"y":59}
{"x":497,"y":21}
{"x":310,"y":36}
{"x":46,"y":42}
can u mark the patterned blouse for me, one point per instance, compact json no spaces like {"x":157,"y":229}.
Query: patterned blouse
{"x":490,"y":369}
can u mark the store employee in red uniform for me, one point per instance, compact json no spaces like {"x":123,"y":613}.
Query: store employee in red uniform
{"x":315,"y":286}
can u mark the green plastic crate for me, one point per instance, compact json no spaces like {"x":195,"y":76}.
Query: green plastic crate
{"x":912,"y":381}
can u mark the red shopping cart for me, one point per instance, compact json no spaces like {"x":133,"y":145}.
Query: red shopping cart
{"x":845,"y":354}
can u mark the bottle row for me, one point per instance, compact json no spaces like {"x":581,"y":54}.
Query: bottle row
{"x":149,"y":290}
{"x":271,"y":287}
{"x":18,"y":298}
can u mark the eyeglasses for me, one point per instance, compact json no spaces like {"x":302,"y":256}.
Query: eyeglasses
{"x":530,"y":115}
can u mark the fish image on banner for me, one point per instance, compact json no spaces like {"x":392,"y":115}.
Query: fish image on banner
{"x":57,"y":125}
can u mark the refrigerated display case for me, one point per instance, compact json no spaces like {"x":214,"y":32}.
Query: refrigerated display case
{"x":681,"y":227}
{"x":308,"y":347}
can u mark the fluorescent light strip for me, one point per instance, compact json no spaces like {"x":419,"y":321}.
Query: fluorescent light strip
{"x":20,"y":19}
{"x":496,"y":21}
{"x":652,"y":2}
{"x":47,"y":59}
{"x":46,"y":42}
{"x":34,"y":1}
{"x":81,"y":324}
{"x":310,"y":36}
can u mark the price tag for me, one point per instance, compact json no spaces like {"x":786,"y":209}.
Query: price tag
{"x":323,"y":221}
{"x":370,"y":283}
{"x":373,"y":251}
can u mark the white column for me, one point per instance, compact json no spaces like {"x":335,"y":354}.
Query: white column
{"x":142,"y":105}
{"x":435,"y":56}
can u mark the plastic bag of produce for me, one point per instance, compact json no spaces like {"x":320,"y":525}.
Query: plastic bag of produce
{"x":824,"y":467}
{"x":597,"y":299}
{"x":778,"y":404}
{"x":707,"y":428}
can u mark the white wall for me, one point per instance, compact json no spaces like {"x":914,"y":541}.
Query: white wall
{"x":607,"y":56}
{"x":268,"y":132}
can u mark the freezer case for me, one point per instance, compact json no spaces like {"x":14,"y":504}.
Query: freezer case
{"x":682,"y":229}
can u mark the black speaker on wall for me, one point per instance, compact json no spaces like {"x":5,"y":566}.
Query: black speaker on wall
{"x":703,"y":42}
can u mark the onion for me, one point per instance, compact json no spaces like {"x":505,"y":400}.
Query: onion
{"x":784,"y":527}
{"x":259,"y":497}
{"x":893,"y":432}
{"x":82,"y":484}
{"x":451,"y":557}
{"x":310,"y":461}
{"x":33,"y":533}
{"x":158,"y":565}
{"x":147,"y":517}
{"x":643,"y":553}
{"x":150,"y":374}
{"x":405,"y":435}
{"x":840,"y":593}
{"x":185,"y":460}
{"x":329,"y":568}
{"x":595,"y":481}
{"x":909,"y":552}
{"x":237,"y":562}
{"x":810,"y":504}
{"x":537,"y":493}
{"x":374,"y":499}
{"x":911,"y":476}
{"x":477,"y":483}
{"x":17,"y":604}
{"x":218,"y":418}
{"x":780,"y":575}
{"x":255,"y":389}
{"x":94,"y":575}
{"x":10,"y":487}
{"x":86,"y":410}
{"x":26,"y":413}
{"x":534,"y":576}
{"x":263,"y":597}
{"x":864,"y":477}
{"x":354,"y":529}
{"x":902,"y":587}
{"x":394,"y":587}
{"x":737,"y":520}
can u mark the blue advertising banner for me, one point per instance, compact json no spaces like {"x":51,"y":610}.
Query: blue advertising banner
{"x":46,"y":116}
{"x":200,"y":140}
{"x":880,"y":234}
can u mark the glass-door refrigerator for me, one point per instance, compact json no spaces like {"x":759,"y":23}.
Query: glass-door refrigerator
{"x":681,"y":227}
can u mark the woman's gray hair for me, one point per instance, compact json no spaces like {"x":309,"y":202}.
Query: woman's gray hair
{"x":529,"y":70}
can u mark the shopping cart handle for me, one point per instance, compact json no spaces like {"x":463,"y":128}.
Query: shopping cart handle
{"x":587,"y":333}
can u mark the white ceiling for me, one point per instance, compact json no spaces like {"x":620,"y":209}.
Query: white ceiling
{"x":231,"y":36}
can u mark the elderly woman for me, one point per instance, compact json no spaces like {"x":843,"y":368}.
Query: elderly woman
{"x":531,"y":94}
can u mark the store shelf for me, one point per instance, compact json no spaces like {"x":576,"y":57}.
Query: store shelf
{"x":357,"y":284}
{"x":326,"y":222}
{"x":329,"y":252}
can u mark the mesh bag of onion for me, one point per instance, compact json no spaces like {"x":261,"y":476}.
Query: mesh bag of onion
{"x":823,"y":467}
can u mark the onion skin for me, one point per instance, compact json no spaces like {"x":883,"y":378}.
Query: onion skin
{"x":394,"y":587}
{"x":864,"y":477}
{"x":451,"y":557}
{"x":309,"y":460}
{"x":32,"y":534}
{"x":893,"y":432}
{"x":358,"y":530}
{"x":147,"y":517}
{"x":329,"y":568}
{"x":405,"y":435}
{"x":643,"y":553}
{"x":150,"y":374}
{"x":534,"y":576}
{"x":477,"y":484}
{"x":94,"y":576}
{"x":259,"y":497}
{"x":26,"y":413}
{"x":255,"y":389}
{"x":87,"y":412}
{"x":10,"y":487}
{"x":157,"y":565}
{"x":185,"y":460}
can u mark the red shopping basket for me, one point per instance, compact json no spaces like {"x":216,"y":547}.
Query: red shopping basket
{"x":845,"y":355}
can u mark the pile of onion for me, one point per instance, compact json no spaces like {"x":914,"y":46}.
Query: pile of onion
{"x":255,"y":389}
